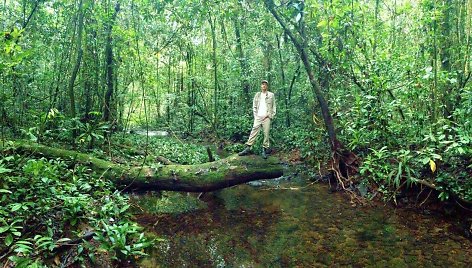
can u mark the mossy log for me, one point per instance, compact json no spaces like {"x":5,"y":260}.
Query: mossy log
{"x":205,"y":177}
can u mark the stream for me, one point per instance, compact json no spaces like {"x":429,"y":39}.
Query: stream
{"x":292,"y":223}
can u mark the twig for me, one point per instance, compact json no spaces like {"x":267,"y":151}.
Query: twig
{"x":77,"y":241}
{"x":418,"y":195}
{"x":430,"y":191}
{"x":396,"y":191}
{"x":468,"y":209}
{"x":7,"y":253}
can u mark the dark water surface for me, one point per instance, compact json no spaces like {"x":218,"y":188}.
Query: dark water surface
{"x":288,"y":225}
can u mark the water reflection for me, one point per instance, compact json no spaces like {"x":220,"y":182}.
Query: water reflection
{"x":292,"y":226}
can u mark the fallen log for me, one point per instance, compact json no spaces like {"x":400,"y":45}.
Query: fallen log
{"x":205,"y":177}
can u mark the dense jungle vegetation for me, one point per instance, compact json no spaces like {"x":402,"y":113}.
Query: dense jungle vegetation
{"x":375,"y":92}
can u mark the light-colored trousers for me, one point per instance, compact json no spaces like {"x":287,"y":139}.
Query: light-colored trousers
{"x":258,"y":124}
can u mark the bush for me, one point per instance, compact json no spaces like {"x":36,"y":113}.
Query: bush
{"x":43,"y":203}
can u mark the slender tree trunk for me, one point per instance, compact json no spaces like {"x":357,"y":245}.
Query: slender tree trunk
{"x":284,"y":83}
{"x":26,"y":20}
{"x":376,"y":26}
{"x":435,"y":73}
{"x":190,"y":88}
{"x":78,"y":61}
{"x":343,"y":162}
{"x":445,"y":56}
{"x":281,"y":62}
{"x":267,"y":60}
{"x":107,"y":110}
{"x":301,"y":48}
{"x":215,"y":72}
{"x":98,"y":92}
{"x":158,"y":83}
{"x":242,"y":63}
{"x":394,"y":27}
{"x":288,"y":99}
{"x":169,"y":88}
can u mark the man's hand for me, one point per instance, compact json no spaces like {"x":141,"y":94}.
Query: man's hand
{"x":262,"y":117}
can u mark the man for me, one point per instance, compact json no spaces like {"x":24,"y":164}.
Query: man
{"x":263,"y":108}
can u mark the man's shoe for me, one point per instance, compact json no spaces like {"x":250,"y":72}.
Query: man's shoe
{"x":246,"y":151}
{"x":264,"y":154}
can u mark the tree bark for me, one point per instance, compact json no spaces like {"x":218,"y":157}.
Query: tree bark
{"x":75,"y":71}
{"x":215,"y":72}
{"x":109,"y":66}
{"x":205,"y":177}
{"x":301,"y":48}
{"x":242,"y":62}
{"x":343,"y":163}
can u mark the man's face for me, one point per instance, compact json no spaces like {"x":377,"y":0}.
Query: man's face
{"x":263,"y":86}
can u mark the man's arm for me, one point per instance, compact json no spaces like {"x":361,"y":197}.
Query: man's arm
{"x":254,"y":105}
{"x":274,"y":108}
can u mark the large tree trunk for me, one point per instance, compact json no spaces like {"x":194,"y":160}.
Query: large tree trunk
{"x":300,"y":45}
{"x":190,"y":178}
{"x":344,"y":162}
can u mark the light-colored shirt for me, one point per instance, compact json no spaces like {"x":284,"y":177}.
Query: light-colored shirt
{"x":269,"y":101}
{"x":262,"y":111}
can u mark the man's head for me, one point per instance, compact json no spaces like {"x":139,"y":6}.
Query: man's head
{"x":264,"y":85}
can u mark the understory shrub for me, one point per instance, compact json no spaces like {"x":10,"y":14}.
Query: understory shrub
{"x":47,"y":202}
{"x":443,"y":157}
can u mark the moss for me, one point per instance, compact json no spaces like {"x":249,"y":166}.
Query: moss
{"x":197,"y":178}
{"x":168,"y":202}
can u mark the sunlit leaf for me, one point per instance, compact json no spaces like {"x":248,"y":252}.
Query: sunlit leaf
{"x":4,"y":229}
{"x":15,"y":207}
{"x":432,"y":165}
{"x":322,"y":24}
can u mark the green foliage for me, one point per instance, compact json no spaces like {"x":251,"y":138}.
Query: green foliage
{"x":235,"y":147}
{"x":237,"y":127}
{"x":12,"y":53}
{"x":392,"y":73}
{"x":390,"y":168}
{"x":450,"y":147}
{"x":92,"y":131}
{"x":54,"y":126}
{"x":443,"y":157}
{"x":173,"y":149}
{"x":43,"y":203}
{"x":310,"y":142}
{"x":124,"y":239}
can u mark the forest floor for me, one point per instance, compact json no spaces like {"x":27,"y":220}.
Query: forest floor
{"x":154,"y":210}
{"x":416,"y":199}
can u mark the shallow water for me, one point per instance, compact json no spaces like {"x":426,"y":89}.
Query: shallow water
{"x":291,"y":225}
{"x":151,"y":133}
